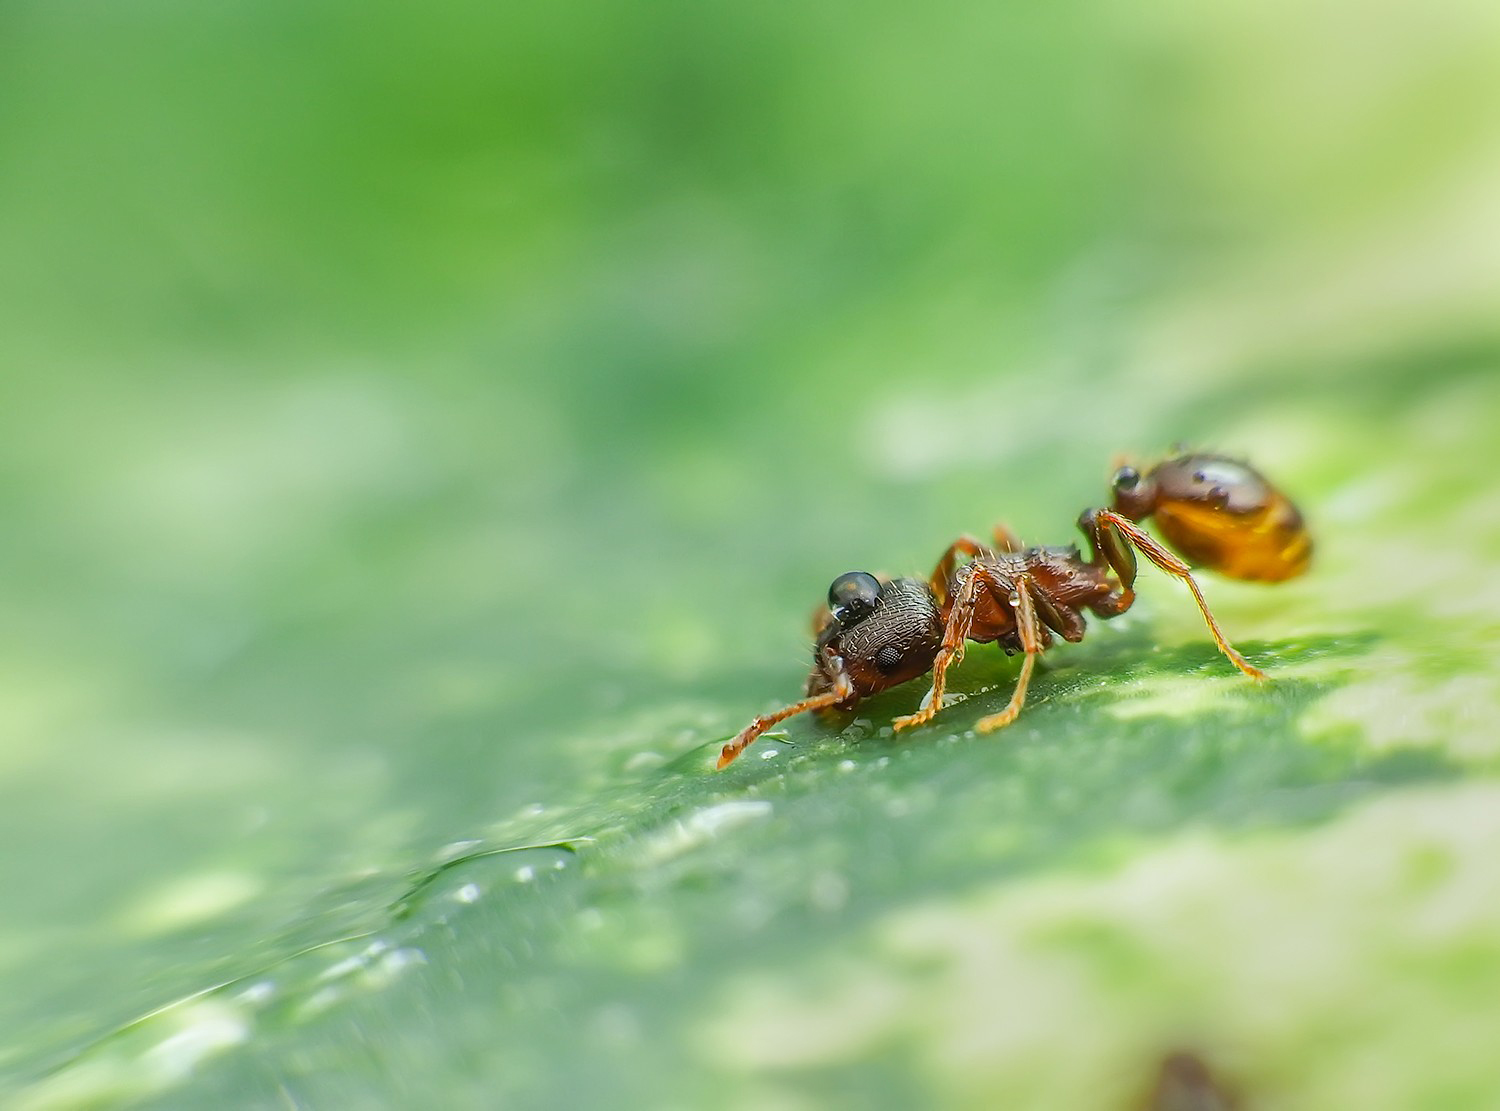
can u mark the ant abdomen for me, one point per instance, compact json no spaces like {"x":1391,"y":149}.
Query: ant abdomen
{"x":1220,"y":513}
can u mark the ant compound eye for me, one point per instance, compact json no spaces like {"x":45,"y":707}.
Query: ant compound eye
{"x":1127,"y":478}
{"x":852,"y":596}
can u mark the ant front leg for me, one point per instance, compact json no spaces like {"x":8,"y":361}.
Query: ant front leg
{"x":955,"y":632}
{"x":1031,"y":641}
{"x":842,"y":691}
{"x":1109,"y":532}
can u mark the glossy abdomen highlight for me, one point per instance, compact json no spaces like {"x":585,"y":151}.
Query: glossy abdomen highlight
{"x":1266,"y":544}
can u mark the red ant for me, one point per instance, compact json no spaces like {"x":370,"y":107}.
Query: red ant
{"x":1219,"y":512}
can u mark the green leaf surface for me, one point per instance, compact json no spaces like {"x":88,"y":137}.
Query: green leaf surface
{"x":427,"y":432}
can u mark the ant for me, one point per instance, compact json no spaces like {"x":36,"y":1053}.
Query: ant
{"x":1218,"y":512}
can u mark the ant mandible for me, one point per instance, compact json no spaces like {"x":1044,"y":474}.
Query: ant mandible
{"x":1218,"y":512}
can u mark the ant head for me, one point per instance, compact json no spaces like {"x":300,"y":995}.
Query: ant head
{"x":852,"y":597}
{"x":1134,"y":493}
{"x":882,"y":632}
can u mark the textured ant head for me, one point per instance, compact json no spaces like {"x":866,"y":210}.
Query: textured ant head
{"x":883,"y":633}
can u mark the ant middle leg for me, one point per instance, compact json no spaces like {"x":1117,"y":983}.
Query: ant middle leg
{"x":955,"y":633}
{"x":973,"y":547}
{"x":1005,"y":540}
{"x":942,"y":574}
{"x":1108,"y":533}
{"x":1032,"y":643}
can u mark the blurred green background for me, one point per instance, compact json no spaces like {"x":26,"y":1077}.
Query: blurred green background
{"x":426,"y":430}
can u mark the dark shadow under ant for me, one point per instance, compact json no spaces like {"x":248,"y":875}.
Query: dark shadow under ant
{"x":1218,"y":512}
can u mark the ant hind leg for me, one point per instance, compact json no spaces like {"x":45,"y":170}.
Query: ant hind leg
{"x":1105,"y":527}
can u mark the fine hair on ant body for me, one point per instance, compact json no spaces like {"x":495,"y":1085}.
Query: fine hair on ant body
{"x":1218,"y":512}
